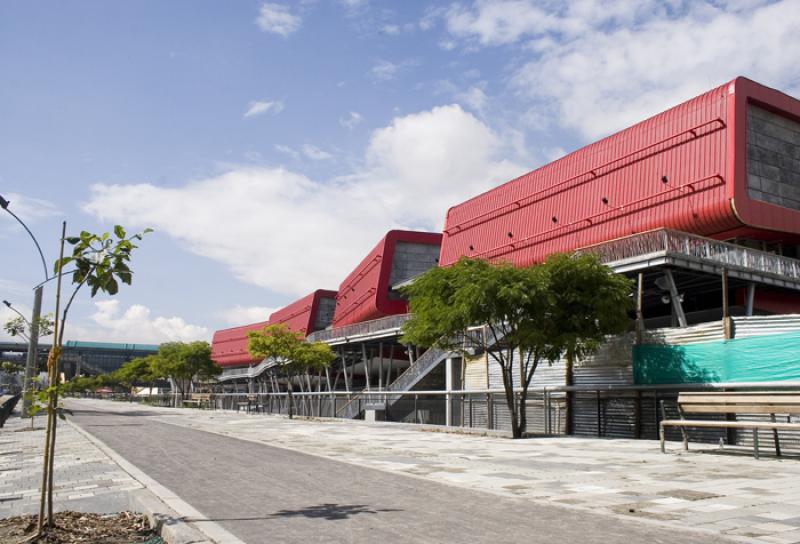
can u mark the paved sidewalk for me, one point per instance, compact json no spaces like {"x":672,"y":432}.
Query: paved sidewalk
{"x":262,"y":494}
{"x":85,"y":479}
{"x":729,"y":494}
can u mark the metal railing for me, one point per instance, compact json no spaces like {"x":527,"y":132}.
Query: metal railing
{"x":683,"y":244}
{"x":606,"y":411}
{"x":390,"y":324}
{"x":418,"y":370}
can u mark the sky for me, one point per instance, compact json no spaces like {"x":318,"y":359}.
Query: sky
{"x":270,"y":145}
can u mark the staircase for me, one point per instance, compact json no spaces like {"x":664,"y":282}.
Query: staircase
{"x":408,"y":379}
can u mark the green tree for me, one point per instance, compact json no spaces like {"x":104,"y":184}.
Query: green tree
{"x":101,"y":262}
{"x":184,"y":364}
{"x":292,"y":355}
{"x":19,"y":326}
{"x":521,"y":317}
{"x":135,"y":372}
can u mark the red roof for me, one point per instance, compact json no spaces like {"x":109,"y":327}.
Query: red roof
{"x":229,"y":346}
{"x":364,"y":293}
{"x":684,"y":169}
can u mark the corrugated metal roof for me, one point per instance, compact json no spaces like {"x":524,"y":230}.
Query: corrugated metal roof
{"x":678,"y":169}
{"x":364,"y":293}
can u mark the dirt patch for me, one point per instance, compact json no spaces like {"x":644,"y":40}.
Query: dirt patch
{"x":82,"y":528}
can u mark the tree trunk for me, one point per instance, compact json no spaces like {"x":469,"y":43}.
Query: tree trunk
{"x":508,"y":386}
{"x":569,"y":381}
{"x":523,"y":416}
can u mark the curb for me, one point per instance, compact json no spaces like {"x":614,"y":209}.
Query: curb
{"x":166,"y":511}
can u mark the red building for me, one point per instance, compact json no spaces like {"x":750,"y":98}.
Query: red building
{"x":311,"y":313}
{"x":725,"y":165}
{"x":366,"y":293}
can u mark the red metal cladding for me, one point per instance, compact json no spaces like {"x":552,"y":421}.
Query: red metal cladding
{"x":364,"y":294}
{"x":229,"y":346}
{"x":302,"y":315}
{"x":684,"y":168}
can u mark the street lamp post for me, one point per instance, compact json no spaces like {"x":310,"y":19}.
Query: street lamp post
{"x":33,"y":338}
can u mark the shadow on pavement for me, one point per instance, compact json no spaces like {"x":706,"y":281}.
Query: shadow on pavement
{"x":328,"y":511}
{"x":95,"y":413}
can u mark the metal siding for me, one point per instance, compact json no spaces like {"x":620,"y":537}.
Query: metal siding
{"x":364,"y":293}
{"x":688,"y":143}
{"x":475,"y":373}
{"x":229,"y":346}
{"x":301,"y":315}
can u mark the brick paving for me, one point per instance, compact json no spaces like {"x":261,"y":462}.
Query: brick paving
{"x":728,"y":492}
{"x":85,"y":479}
{"x":261,"y":493}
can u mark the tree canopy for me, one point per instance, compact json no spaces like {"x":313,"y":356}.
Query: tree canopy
{"x":292,"y":354}
{"x":184,"y":363}
{"x":521,"y":316}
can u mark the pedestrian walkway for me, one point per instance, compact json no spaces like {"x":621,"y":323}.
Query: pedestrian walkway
{"x":729,"y":494}
{"x":85,"y":479}
{"x":248,"y":486}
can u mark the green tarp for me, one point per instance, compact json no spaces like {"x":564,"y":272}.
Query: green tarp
{"x":768,"y":358}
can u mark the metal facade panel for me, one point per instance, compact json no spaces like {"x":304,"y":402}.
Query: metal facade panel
{"x":301,"y":315}
{"x":364,"y":293}
{"x":679,"y":169}
{"x":229,"y":346}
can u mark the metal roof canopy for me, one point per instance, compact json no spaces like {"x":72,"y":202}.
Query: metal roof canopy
{"x":669,"y":248}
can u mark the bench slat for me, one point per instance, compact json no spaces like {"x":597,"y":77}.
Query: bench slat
{"x":739,"y":399}
{"x":740,"y":408}
{"x":730,"y":424}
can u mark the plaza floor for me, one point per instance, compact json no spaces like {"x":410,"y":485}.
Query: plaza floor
{"x":727,"y":493}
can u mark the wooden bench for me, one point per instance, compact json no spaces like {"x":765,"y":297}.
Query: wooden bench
{"x":771,"y":403}
{"x":198,"y":400}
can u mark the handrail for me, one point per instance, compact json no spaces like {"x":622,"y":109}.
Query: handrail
{"x":388,"y":323}
{"x":560,"y":186}
{"x":415,"y":371}
{"x":684,"y":244}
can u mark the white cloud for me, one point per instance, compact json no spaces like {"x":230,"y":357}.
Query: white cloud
{"x":261,"y":107}
{"x":133,"y":325}
{"x":392,"y":30}
{"x":277,"y":19}
{"x":384,"y":70}
{"x":474,"y":97}
{"x":600,"y":66}
{"x":286,"y":150}
{"x":239,"y":315}
{"x":281,"y":230}
{"x":352,"y":120}
{"x":315,"y":153}
{"x":29,"y":209}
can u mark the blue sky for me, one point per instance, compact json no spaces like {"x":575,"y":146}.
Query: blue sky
{"x":271,"y":144}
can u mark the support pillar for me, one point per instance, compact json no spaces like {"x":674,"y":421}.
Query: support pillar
{"x":448,"y":377}
{"x":639,"y":311}
{"x":675,"y":298}
{"x":727,"y":323}
{"x":32,"y":360}
{"x":751,"y":293}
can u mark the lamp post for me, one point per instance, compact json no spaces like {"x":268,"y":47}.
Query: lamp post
{"x":33,"y":339}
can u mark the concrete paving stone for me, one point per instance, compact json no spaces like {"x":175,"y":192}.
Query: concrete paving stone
{"x":598,"y":475}
{"x":774,"y":527}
